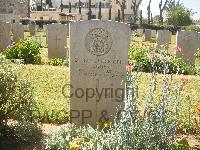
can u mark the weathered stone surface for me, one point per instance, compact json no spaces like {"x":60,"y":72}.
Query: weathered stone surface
{"x":32,"y":28}
{"x":147,"y":35}
{"x":18,"y":32}
{"x":5,"y":38}
{"x":140,"y":31}
{"x":153,"y":33}
{"x":98,"y":56}
{"x":163,"y":38}
{"x":189,"y":42}
{"x":57,"y":40}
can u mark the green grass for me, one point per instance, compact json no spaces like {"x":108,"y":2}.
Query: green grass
{"x":54,"y":107}
{"x":51,"y":105}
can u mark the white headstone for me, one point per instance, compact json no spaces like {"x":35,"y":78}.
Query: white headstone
{"x":147,"y":34}
{"x":163,"y":38}
{"x":153,"y":33}
{"x":18,"y":32}
{"x":140,"y":31}
{"x":5,"y":38}
{"x":189,"y":42}
{"x":98,"y":56}
{"x":32,"y":28}
{"x":57,"y":40}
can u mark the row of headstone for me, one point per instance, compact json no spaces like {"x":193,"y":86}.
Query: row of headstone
{"x":188,"y":41}
{"x":5,"y":33}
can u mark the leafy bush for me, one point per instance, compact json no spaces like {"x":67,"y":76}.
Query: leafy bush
{"x":27,"y":50}
{"x":155,"y":128}
{"x":143,"y":55}
{"x":55,"y":62}
{"x":194,"y":28}
{"x":58,"y":62}
{"x":16,"y":102}
{"x":15,"y":95}
{"x":27,"y":132}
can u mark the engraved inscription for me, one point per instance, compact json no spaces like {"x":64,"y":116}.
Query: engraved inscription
{"x":98,"y":42}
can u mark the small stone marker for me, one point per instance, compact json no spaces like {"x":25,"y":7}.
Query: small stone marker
{"x":18,"y":32}
{"x":147,"y":34}
{"x":57,"y":40}
{"x":189,"y":42}
{"x":5,"y":38}
{"x":153,"y":33}
{"x":140,"y":31}
{"x":163,"y":38}
{"x":98,"y":58}
{"x":32,"y":28}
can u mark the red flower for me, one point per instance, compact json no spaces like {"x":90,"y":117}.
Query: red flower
{"x":177,"y":49}
{"x":184,"y":79}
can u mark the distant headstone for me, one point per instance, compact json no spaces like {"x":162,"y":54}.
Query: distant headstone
{"x":5,"y":38}
{"x":18,"y":32}
{"x":147,"y":34}
{"x":163,"y":38}
{"x":153,"y":33}
{"x":32,"y":28}
{"x":189,"y":42}
{"x":26,"y":28}
{"x":140,"y":31}
{"x":57,"y":40}
{"x":98,"y":56}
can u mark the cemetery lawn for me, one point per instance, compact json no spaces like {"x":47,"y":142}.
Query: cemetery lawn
{"x":52,"y":107}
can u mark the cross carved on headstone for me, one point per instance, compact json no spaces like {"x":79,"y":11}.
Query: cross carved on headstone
{"x":57,"y":39}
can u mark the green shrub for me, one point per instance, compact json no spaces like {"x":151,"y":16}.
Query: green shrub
{"x":58,"y":62}
{"x":26,"y":50}
{"x":142,"y":56}
{"x":193,"y":28}
{"x":153,"y":129}
{"x":15,"y":95}
{"x":27,"y":132}
{"x":55,"y":61}
{"x":16,"y":99}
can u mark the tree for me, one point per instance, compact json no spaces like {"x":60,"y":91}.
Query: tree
{"x":162,"y":7}
{"x":149,"y":12}
{"x":178,"y":14}
{"x":122,"y":5}
{"x":135,"y":7}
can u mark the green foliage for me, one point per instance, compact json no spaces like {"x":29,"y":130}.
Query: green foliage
{"x":27,"y":132}
{"x":172,"y":28}
{"x":181,"y":145}
{"x":16,"y":102}
{"x":142,"y":55}
{"x":55,"y":61}
{"x":194,"y":28}
{"x":26,"y":50}
{"x":58,"y":62}
{"x":15,"y":95}
{"x":178,"y":15}
{"x":155,"y":128}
